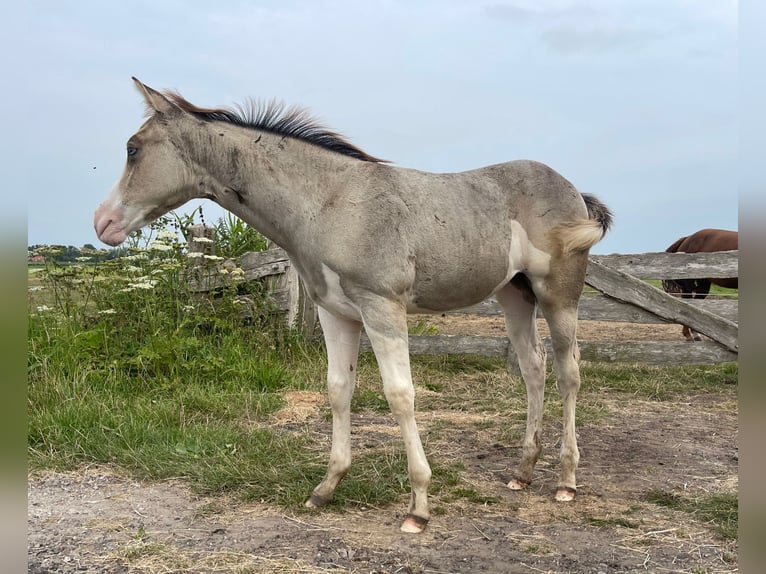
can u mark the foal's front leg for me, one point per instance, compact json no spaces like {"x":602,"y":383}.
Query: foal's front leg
{"x":342,"y":340}
{"x":385,"y":322}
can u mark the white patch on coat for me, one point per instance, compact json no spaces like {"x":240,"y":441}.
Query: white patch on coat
{"x":335,"y":300}
{"x":524,"y":257}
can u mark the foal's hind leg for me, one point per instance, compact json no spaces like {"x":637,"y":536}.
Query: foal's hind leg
{"x":558,"y":301}
{"x":562,"y":321}
{"x":342,"y":339}
{"x":520,"y":309}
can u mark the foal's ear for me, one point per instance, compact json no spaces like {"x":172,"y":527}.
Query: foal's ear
{"x":155,"y":100}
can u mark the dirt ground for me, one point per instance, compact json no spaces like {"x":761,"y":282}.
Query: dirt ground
{"x":99,"y":521}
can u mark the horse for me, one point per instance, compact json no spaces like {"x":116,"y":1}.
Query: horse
{"x":702,"y":241}
{"x":371,"y":242}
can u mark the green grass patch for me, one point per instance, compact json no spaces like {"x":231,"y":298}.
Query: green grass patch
{"x":660,"y":383}
{"x":422,"y":327}
{"x":719,"y":511}
{"x":370,"y":400}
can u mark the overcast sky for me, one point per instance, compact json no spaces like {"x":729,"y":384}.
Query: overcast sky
{"x":632,"y":100}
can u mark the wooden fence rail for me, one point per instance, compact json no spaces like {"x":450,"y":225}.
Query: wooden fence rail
{"x":620,"y":295}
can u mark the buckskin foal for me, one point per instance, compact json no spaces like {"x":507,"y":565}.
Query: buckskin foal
{"x":372,"y":242}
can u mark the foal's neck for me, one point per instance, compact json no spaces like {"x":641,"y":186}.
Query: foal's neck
{"x":272,"y":182}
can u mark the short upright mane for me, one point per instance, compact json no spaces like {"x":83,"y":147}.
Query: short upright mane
{"x":275,"y":117}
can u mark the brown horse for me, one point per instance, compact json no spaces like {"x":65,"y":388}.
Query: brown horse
{"x":703,"y":241}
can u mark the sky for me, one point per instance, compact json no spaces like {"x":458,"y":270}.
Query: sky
{"x":634,"y":101}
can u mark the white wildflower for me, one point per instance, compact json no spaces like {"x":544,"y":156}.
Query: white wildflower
{"x":147,"y":285}
{"x":213,"y":258}
{"x":195,"y":255}
{"x":83,"y":259}
{"x":107,"y":312}
{"x":160,"y":246}
{"x":202,"y":240}
{"x":166,"y":234}
{"x":168,"y":265}
{"x":43,"y":308}
{"x":37,"y":288}
{"x":187,"y":308}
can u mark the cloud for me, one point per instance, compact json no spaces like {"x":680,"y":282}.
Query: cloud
{"x":614,"y":25}
{"x":594,"y":38}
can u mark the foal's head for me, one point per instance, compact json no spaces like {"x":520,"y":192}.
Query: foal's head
{"x":157,"y":177}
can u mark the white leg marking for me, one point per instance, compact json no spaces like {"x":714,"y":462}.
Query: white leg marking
{"x":563,"y":326}
{"x":520,"y":310}
{"x":389,"y":342}
{"x":342,"y":339}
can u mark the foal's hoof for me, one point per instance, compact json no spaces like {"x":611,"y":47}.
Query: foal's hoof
{"x":517,"y":484}
{"x":316,"y":501}
{"x":414,"y":524}
{"x":565,"y":493}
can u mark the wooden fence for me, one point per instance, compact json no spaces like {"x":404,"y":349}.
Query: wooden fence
{"x":620,"y":294}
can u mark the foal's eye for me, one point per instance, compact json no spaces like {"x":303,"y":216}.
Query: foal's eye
{"x":132,"y":151}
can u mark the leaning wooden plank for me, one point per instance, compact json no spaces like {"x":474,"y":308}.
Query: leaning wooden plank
{"x":601,"y":308}
{"x":626,"y":288}
{"x":663,"y":265}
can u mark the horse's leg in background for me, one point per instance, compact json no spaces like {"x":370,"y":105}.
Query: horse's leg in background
{"x":520,"y":308}
{"x":700,"y":290}
{"x":685,"y":288}
{"x":342,"y":340}
{"x":385,"y":323}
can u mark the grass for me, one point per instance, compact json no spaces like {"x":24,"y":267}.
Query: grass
{"x":718,"y":510}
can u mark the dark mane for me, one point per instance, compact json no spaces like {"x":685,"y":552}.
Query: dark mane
{"x":275,"y":117}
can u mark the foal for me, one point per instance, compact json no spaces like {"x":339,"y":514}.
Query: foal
{"x":373,"y":242}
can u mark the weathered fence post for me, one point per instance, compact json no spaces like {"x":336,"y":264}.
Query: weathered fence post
{"x":200,"y":231}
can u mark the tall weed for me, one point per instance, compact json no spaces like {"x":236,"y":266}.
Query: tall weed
{"x":123,"y":354}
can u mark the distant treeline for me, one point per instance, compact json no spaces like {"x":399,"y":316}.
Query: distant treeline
{"x":70,"y":253}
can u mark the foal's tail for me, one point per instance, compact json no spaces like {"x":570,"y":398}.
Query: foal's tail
{"x":583,"y":235}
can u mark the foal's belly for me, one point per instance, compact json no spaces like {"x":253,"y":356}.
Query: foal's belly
{"x":455,"y":289}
